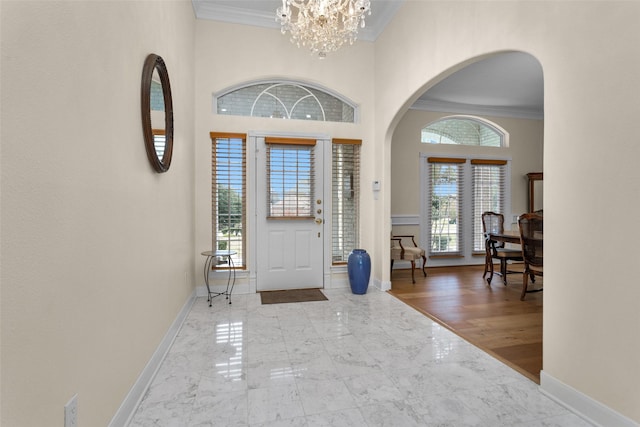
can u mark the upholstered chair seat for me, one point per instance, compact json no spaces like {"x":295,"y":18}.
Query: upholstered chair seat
{"x":408,"y":251}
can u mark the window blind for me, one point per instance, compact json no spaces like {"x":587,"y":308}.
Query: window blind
{"x":488,"y":179}
{"x":228,"y":194}
{"x":345,"y":194}
{"x":290,"y":178}
{"x":159,"y":141}
{"x":446,"y":204}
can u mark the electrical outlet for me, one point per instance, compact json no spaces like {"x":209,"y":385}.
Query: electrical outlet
{"x":71,"y":412}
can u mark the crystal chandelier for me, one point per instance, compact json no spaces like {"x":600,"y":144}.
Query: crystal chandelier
{"x":322,"y":26}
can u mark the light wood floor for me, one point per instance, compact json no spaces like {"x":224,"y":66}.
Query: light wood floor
{"x":491,"y":317}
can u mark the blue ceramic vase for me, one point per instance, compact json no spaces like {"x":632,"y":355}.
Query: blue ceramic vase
{"x":359,"y":268}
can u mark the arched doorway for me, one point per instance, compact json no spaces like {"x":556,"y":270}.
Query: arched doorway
{"x":480,"y":90}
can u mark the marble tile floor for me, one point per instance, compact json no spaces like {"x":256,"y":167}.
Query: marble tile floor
{"x":354,"y":360}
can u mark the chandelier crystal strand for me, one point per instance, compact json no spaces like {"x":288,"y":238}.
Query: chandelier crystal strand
{"x":322,"y":26}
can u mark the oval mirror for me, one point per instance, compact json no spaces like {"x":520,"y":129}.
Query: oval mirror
{"x":157,"y":113}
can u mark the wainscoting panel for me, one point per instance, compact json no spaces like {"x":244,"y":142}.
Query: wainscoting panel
{"x":405,"y":220}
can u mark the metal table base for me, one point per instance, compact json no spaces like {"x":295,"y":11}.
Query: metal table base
{"x":231,"y":280}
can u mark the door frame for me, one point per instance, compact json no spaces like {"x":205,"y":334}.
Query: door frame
{"x":325,"y":141}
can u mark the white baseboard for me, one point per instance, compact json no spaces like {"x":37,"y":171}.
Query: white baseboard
{"x":382,"y":285}
{"x":581,"y":404}
{"x":338,"y":284}
{"x":130,"y":404}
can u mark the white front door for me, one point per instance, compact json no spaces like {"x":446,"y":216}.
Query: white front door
{"x":290,"y":213}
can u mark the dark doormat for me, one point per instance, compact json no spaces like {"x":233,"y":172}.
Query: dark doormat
{"x":293,"y":295}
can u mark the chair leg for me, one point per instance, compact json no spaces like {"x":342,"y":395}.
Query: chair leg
{"x":391,"y":270}
{"x":413,"y":268}
{"x":525,"y":283}
{"x":503,"y":270}
{"x":490,"y":271}
{"x":424,"y":264}
{"x":487,"y":260}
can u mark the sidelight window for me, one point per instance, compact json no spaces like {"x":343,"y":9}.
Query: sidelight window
{"x":228,"y":194}
{"x":345,"y":190}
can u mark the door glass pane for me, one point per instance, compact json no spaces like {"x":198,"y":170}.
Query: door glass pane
{"x":290,"y":177}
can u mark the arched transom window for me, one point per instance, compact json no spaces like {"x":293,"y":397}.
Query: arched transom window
{"x":463,"y":131}
{"x":285,"y":100}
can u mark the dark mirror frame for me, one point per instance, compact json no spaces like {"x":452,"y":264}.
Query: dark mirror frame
{"x":155,"y":62}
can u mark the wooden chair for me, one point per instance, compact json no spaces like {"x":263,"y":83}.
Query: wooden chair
{"x":531,"y":234}
{"x":493,"y":223}
{"x":409,"y":251}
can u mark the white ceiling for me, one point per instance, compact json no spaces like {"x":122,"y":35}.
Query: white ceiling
{"x":508,"y":84}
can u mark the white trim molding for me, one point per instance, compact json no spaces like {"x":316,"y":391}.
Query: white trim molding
{"x":261,"y":14}
{"x":581,"y":404}
{"x":480,"y":110}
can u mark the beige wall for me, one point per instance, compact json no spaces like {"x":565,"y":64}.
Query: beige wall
{"x":228,"y":55}
{"x":590,"y":163}
{"x":525,"y":149}
{"x":97,"y":249}
{"x":82,"y":315}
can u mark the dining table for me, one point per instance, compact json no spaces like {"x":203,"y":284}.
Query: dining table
{"x":506,"y":237}
{"x":512,"y":237}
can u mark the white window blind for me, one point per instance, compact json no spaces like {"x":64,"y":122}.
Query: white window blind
{"x":488,"y":181}
{"x":159,"y":141}
{"x":228,"y":194}
{"x":345,"y":191}
{"x":290,"y":177}
{"x":446,"y":204}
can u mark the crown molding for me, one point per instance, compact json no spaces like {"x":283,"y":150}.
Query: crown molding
{"x":216,"y":12}
{"x":453,"y":107}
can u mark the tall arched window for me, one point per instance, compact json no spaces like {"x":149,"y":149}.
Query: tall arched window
{"x":285,"y":100}
{"x":464,"y":130}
